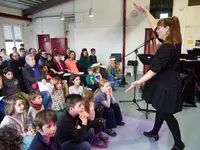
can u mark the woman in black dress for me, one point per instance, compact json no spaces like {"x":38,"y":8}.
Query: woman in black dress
{"x":163,"y":83}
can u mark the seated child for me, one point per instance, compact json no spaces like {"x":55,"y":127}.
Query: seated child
{"x":97,"y":74}
{"x":76,"y":87}
{"x":36,"y":105}
{"x":11,"y":86}
{"x":118,"y":72}
{"x":45,"y":70}
{"x":10,"y":139}
{"x":95,"y":121}
{"x":112,"y":76}
{"x":72,"y":125}
{"x":16,"y":117}
{"x":45,"y":124}
{"x":90,"y":80}
{"x":57,"y":95}
{"x":112,"y":112}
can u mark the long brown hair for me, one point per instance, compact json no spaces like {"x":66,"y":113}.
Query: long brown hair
{"x":174,"y":35}
{"x":88,"y":97}
{"x":10,"y":105}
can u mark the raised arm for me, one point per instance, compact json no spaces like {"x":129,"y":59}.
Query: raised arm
{"x":152,"y":21}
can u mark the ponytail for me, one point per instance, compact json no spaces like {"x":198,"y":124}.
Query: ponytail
{"x":176,"y":31}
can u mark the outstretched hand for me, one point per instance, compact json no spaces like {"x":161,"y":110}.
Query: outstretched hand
{"x":133,"y":84}
{"x":139,"y":8}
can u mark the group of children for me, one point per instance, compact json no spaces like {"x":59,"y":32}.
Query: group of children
{"x":80,"y":112}
{"x":79,"y":126}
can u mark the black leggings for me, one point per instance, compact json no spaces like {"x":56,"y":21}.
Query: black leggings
{"x":98,"y":122}
{"x":172,"y":124}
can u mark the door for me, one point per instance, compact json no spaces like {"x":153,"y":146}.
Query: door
{"x":44,"y":42}
{"x":60,"y":44}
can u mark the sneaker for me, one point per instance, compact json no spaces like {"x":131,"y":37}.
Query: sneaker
{"x":97,"y":143}
{"x":104,"y":138}
{"x":110,"y":132}
{"x":121,"y":123}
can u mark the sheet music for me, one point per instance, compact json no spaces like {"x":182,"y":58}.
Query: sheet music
{"x":45,"y":87}
{"x":1,"y":97}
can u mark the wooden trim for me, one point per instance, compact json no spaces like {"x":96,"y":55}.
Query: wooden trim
{"x":15,"y":17}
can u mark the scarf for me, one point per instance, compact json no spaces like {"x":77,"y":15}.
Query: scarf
{"x":36,"y":106}
{"x":60,"y":66}
{"x":35,"y":70}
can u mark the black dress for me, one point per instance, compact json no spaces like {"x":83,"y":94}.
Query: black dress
{"x":163,"y":91}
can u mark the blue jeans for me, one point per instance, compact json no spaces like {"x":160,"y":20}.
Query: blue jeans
{"x":112,"y":81}
{"x":45,"y":99}
{"x":73,"y":146}
{"x":113,"y":116}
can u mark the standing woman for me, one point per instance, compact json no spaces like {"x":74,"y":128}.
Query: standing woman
{"x":163,"y":83}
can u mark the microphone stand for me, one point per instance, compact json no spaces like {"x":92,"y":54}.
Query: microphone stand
{"x":135,"y":65}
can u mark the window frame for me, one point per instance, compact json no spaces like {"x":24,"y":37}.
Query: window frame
{"x":13,"y":33}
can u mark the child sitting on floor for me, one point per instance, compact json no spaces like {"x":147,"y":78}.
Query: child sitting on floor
{"x":72,"y":125}
{"x":90,"y":80}
{"x":118,"y":72}
{"x":112,"y":76}
{"x":36,"y":105}
{"x":95,"y":121}
{"x":45,"y":124}
{"x":112,"y":112}
{"x":97,"y":74}
{"x":57,"y":95}
{"x":11,"y":86}
{"x":76,"y":87}
{"x":16,"y":117}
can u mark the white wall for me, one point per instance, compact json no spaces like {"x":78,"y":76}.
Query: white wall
{"x":104,"y":31}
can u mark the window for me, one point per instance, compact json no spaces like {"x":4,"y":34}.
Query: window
{"x":161,"y":8}
{"x":12,"y":37}
{"x":193,"y":2}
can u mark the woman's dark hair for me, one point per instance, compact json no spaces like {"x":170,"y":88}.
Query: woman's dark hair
{"x":74,"y":54}
{"x":72,"y":78}
{"x":174,"y":35}
{"x":10,"y":138}
{"x":83,"y":50}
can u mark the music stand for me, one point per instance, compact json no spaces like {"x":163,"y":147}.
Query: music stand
{"x":135,"y":65}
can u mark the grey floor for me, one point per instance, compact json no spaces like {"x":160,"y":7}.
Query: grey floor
{"x":130,"y":136}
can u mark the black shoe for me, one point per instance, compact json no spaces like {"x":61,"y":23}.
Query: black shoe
{"x":181,"y":147}
{"x":121,"y":123}
{"x":110,"y":132}
{"x":97,"y":143}
{"x":149,"y":134}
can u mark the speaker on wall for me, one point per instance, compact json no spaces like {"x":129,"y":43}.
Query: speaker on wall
{"x":117,"y":56}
